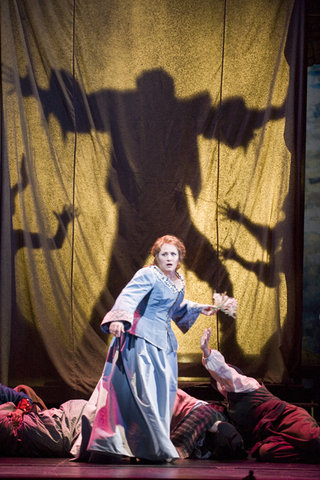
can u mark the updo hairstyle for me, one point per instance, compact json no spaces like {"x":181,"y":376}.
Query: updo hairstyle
{"x":170,"y":239}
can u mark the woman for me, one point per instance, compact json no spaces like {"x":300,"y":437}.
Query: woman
{"x":135,"y":396}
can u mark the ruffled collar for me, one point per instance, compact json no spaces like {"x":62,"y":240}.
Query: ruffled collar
{"x":168,"y":283}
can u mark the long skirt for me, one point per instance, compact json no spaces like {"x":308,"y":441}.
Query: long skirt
{"x":134,"y":401}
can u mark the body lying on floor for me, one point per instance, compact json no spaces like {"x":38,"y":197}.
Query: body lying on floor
{"x":199,"y":429}
{"x":41,"y":432}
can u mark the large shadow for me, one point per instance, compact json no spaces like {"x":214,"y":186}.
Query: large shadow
{"x":283,"y":244}
{"x":270,"y":239}
{"x":154,"y":164}
{"x":25,"y":338}
{"x":22,"y":238}
{"x":270,"y":272}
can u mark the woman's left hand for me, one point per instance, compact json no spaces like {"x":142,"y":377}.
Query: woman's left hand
{"x":208,"y":310}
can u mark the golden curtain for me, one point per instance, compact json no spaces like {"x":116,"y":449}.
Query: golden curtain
{"x":125,"y":121}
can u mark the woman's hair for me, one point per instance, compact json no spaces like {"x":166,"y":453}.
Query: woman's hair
{"x":171,"y":239}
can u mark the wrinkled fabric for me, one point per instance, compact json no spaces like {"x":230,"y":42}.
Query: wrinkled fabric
{"x":293,"y":436}
{"x":42,"y":433}
{"x":136,"y":393}
{"x":32,"y":394}
{"x":183,"y":405}
{"x":148,"y":304}
{"x":51,"y":433}
{"x":190,"y":421}
{"x":123,"y":121}
{"x":274,"y":430}
{"x":133,"y":401}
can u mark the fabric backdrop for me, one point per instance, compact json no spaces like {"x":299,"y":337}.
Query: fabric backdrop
{"x":125,"y":121}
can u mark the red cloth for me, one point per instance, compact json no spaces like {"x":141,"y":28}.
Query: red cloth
{"x":24,"y":405}
{"x":32,"y":394}
{"x":183,"y":405}
{"x":293,"y":436}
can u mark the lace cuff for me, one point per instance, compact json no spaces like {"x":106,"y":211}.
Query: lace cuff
{"x":117,"y":316}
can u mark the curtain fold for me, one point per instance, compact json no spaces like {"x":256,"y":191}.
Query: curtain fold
{"x":125,"y":121}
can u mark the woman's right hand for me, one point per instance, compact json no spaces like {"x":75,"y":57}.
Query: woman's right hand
{"x":116,"y":328}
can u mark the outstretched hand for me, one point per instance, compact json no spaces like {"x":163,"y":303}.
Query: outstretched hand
{"x":204,"y":342}
{"x":229,"y":212}
{"x":68,"y":213}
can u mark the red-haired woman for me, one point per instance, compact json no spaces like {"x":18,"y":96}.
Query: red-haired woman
{"x":134,"y":398}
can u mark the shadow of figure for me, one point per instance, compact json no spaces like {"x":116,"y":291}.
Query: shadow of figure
{"x":23,"y":339}
{"x":154,"y":161}
{"x":234,"y":124}
{"x":270,"y":239}
{"x":269,"y":272}
{"x":36,"y":239}
{"x":283,"y":258}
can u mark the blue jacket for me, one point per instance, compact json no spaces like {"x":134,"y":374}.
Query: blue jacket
{"x":147,"y":304}
{"x":9,"y":395}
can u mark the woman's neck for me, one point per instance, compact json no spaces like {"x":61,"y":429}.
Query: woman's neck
{"x":172,"y":276}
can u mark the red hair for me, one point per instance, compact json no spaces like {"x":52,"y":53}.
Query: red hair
{"x":171,"y":239}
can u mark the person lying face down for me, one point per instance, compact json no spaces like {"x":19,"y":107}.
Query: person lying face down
{"x":41,"y":433}
{"x":200,"y":429}
{"x":274,"y":430}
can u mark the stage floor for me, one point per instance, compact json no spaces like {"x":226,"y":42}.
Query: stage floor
{"x":182,"y":469}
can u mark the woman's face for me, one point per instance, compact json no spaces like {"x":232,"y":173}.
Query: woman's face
{"x":168,"y":259}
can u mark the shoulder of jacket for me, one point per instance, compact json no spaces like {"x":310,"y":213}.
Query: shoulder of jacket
{"x":147,"y":272}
